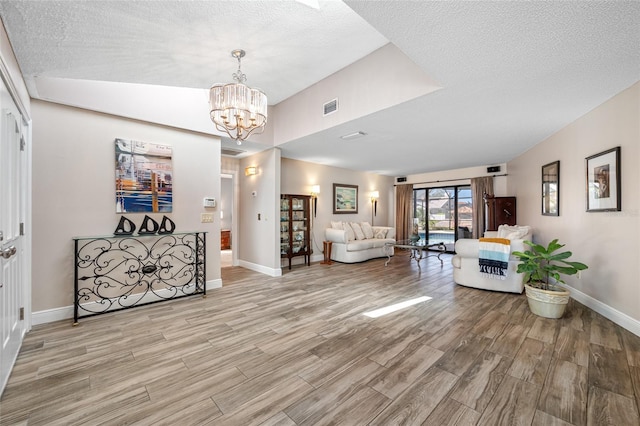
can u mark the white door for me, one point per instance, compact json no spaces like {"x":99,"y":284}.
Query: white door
{"x":12,"y":208}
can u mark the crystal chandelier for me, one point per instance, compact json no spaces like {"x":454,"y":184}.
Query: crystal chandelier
{"x":236,"y":108}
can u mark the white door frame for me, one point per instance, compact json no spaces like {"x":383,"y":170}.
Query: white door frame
{"x":24,"y":122}
{"x":26,"y":259}
{"x":233,"y":175}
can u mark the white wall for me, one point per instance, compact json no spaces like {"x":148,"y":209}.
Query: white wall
{"x":225,"y":204}
{"x":359,"y":91}
{"x":258,"y":237}
{"x":462,"y":177}
{"x":231,"y":166}
{"x":74,"y":189}
{"x":608,"y":242}
{"x":298,"y":176}
{"x":181,"y":107}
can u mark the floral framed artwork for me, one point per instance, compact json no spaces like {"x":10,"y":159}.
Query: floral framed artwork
{"x":551,"y":189}
{"x":603,"y":181}
{"x":345,"y":198}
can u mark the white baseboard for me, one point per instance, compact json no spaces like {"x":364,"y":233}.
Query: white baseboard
{"x":272,"y":272}
{"x":622,"y":319}
{"x":52,"y":315}
{"x":66,"y":312}
{"x":213,"y":284}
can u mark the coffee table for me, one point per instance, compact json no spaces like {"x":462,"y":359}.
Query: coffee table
{"x":417,"y":248}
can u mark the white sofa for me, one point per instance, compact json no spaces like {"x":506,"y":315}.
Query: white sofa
{"x":466,"y":269}
{"x":347,"y":248}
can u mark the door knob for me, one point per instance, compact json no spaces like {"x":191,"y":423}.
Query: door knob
{"x":8,"y":252}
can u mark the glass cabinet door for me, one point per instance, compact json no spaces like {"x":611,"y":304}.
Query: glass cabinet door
{"x":299,"y":226}
{"x":295,"y":227}
{"x":284,"y":227}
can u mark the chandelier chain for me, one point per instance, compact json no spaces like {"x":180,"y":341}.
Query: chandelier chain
{"x":239,"y":76}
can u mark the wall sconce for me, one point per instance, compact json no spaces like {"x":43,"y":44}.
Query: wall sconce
{"x":315,"y":190}
{"x":250,"y":171}
{"x":374,"y":204}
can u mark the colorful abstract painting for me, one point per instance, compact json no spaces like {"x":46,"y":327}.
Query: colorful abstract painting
{"x":143,"y":177}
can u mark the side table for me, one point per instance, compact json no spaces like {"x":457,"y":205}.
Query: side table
{"x":326,"y":248}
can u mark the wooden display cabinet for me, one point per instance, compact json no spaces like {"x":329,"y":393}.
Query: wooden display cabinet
{"x":295,"y":227}
{"x":500,"y":211}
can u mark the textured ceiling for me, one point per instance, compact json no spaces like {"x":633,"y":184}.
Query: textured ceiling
{"x":512,"y":73}
{"x":187,"y":43}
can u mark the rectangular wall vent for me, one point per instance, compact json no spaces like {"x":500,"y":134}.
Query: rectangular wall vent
{"x":330,"y":107}
{"x":401,"y":179}
{"x":231,"y":152}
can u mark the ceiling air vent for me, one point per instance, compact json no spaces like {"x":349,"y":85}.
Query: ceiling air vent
{"x":231,"y":152}
{"x":353,"y":135}
{"x":330,"y":107}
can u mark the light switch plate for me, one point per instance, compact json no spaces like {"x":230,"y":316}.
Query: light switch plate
{"x":206,"y":217}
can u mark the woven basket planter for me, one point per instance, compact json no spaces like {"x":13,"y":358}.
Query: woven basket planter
{"x":547,"y":303}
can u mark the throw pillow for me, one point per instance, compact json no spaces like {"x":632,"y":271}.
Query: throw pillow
{"x":350,"y":234}
{"x":367,"y":229}
{"x":381,"y":234}
{"x":357,"y":230}
{"x":337,"y":225}
{"x":515,"y":232}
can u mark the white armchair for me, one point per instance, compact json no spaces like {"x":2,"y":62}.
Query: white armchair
{"x":466,"y":269}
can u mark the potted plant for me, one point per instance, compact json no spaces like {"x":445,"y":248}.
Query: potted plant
{"x":539,"y":265}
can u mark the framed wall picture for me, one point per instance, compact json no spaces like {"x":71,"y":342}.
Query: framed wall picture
{"x":345,"y":198}
{"x":144,"y":174}
{"x":551,"y":189}
{"x":603,"y":181}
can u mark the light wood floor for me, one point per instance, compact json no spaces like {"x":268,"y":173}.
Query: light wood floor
{"x":226,"y":258}
{"x":296,"y":350}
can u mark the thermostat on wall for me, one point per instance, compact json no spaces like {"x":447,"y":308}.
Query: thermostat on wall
{"x":209,"y":202}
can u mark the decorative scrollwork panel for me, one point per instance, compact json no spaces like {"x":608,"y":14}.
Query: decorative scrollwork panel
{"x":113,"y":273}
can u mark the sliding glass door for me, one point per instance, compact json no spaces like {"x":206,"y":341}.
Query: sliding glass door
{"x":443,"y":214}
{"x":464,"y":203}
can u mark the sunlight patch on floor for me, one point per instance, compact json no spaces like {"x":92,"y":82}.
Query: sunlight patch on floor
{"x":393,"y":308}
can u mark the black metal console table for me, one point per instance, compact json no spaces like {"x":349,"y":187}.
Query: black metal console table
{"x":120,"y":272}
